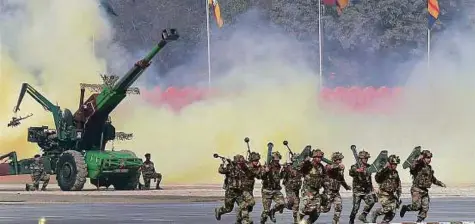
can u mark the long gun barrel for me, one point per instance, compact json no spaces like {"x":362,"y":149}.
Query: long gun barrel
{"x":101,"y":105}
{"x":286,"y":143}
{"x":246,"y":140}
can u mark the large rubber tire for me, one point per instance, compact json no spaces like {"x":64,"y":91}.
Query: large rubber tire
{"x":71,"y":171}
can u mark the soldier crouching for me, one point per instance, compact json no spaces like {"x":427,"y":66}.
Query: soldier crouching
{"x":292,"y":181}
{"x":149,"y":173}
{"x":232,"y":185}
{"x":362,"y":188}
{"x":271,"y":189}
{"x":389,"y":190}
{"x":38,"y":174}
{"x":333,"y":181}
{"x":313,"y":173}
{"x":423,"y":178}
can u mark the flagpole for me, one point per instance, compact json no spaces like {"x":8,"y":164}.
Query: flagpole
{"x":428,"y":50}
{"x":320,"y":73}
{"x":208,"y":36}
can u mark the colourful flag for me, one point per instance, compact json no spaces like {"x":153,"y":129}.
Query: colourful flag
{"x":433,"y":9}
{"x":340,"y":5}
{"x":217,"y":12}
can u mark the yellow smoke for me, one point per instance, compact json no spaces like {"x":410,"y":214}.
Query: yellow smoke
{"x":182,"y":144}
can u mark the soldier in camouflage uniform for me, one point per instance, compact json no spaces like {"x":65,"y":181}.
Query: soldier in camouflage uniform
{"x":422,"y":179}
{"x":389,"y":190}
{"x":313,"y":173}
{"x":149,"y":173}
{"x":38,"y":174}
{"x":334,"y":179}
{"x":232,"y":185}
{"x":271,"y":189}
{"x":253,"y":170}
{"x":362,"y":187}
{"x":292,"y":181}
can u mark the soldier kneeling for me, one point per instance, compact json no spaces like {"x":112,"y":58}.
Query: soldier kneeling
{"x":38,"y":174}
{"x":149,"y":173}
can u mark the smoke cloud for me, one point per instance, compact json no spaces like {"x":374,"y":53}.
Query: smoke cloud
{"x":268,"y":88}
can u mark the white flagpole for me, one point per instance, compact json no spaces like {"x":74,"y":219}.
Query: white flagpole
{"x":428,"y":50}
{"x":320,"y":73}
{"x":209,"y":50}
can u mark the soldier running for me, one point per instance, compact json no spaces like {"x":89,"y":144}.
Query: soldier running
{"x":253,"y":170}
{"x":149,"y":173}
{"x":292,"y":181}
{"x":271,"y":189}
{"x":232,"y":185}
{"x":389,"y":190}
{"x":422,"y":179}
{"x":313,"y":173}
{"x":362,"y":187}
{"x":38,"y":174}
{"x":335,"y":178}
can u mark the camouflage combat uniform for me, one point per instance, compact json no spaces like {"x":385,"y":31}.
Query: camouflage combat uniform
{"x":333,"y":181}
{"x":423,"y":178}
{"x":389,"y":190}
{"x":252,"y":170}
{"x":149,"y":173}
{"x":313,"y":176}
{"x":232,"y":185}
{"x":271,"y":189}
{"x":38,"y":174}
{"x":292,"y":181}
{"x":362,"y":188}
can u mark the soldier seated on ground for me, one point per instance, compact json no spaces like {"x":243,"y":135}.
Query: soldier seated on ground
{"x":38,"y":174}
{"x":149,"y":173}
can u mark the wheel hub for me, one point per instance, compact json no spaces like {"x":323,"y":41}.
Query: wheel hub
{"x":67,"y":170}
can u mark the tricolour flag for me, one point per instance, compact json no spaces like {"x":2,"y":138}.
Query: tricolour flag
{"x":217,"y":12}
{"x":434,"y":11}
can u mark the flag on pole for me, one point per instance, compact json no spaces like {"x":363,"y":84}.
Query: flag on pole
{"x":434,"y":11}
{"x":340,"y":5}
{"x":217,"y":12}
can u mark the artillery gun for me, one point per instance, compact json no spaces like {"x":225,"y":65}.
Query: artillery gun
{"x":74,"y":149}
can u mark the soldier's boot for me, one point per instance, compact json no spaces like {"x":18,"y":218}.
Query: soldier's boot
{"x":217,"y":213}
{"x":296,"y":219}
{"x":27,"y":187}
{"x":352,"y":219}
{"x":403,"y":211}
{"x":419,"y":219}
{"x":43,"y":188}
{"x":362,"y":217}
{"x":374,"y":216}
{"x":272,"y":215}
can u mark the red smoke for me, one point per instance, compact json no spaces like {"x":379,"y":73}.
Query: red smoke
{"x":356,"y":99}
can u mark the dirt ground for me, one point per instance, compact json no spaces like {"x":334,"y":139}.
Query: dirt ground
{"x":12,"y":190}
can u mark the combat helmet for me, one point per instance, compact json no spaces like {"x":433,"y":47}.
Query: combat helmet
{"x":254,"y":156}
{"x":317,"y":153}
{"x":239,"y":158}
{"x":337,"y":156}
{"x":37,"y":156}
{"x":276,"y":156}
{"x":147,"y":154}
{"x":364,"y":155}
{"x":393,"y":159}
{"x":426,"y":154}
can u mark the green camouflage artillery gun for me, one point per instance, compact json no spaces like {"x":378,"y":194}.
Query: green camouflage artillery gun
{"x":75,"y":149}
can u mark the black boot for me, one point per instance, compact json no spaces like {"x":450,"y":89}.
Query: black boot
{"x":362,"y":217}
{"x":403,"y":211}
{"x":217,"y":214}
{"x":420,"y":219}
{"x":272,"y":215}
{"x":352,"y":219}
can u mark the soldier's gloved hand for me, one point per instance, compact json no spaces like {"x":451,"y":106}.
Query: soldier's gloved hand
{"x":443,"y":185}
{"x":266,"y":168}
{"x":341,"y":166}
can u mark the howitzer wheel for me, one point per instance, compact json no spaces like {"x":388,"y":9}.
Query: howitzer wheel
{"x":71,"y":171}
